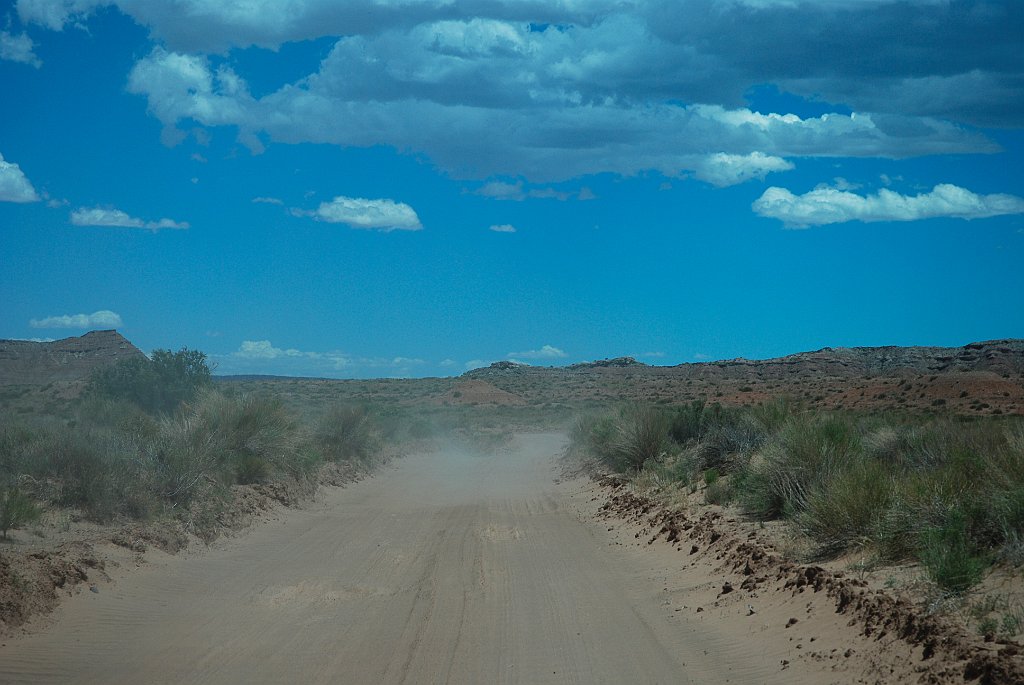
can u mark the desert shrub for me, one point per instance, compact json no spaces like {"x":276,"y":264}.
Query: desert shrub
{"x":625,"y":440}
{"x":950,"y":556}
{"x":220,"y":440}
{"x":641,"y":435}
{"x":805,"y":453}
{"x":253,"y":436}
{"x":185,"y":459}
{"x":120,"y":415}
{"x":843,"y":508}
{"x":772,"y":415}
{"x":96,"y":470}
{"x":15,"y":442}
{"x":16,"y":510}
{"x":727,"y":442}
{"x":347,"y":433}
{"x":590,"y":434}
{"x":719,"y":489}
{"x":719,"y":492}
{"x":687,"y":422}
{"x":157,"y":385}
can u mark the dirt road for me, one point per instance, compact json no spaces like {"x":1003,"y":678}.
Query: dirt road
{"x":450,"y":567}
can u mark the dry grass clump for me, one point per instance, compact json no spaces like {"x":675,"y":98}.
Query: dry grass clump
{"x":347,"y":432}
{"x":634,"y":436}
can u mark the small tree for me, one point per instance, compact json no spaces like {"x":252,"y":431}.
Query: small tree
{"x":156,"y":385}
{"x":16,"y":509}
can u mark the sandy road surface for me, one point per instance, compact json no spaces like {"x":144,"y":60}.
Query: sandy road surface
{"x":446,"y":568}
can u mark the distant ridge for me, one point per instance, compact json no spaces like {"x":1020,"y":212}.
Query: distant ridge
{"x":997,"y":356}
{"x":977,"y":379}
{"x":617,"y":362}
{"x":24,"y":362}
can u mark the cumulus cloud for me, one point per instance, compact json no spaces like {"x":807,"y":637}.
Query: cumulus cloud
{"x":101,"y":319}
{"x":828,"y":205}
{"x":105,"y":216}
{"x":503,"y":228}
{"x":548,"y":91}
{"x":357,"y":212}
{"x":14,"y":186}
{"x":723,"y":169}
{"x":263,"y":349}
{"x":545,"y":352}
{"x":546,"y":136}
{"x":18,"y":49}
{"x":268,"y":200}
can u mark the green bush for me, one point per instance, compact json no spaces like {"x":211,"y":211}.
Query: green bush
{"x":158,"y":384}
{"x":16,"y":510}
{"x":687,"y":422}
{"x":641,"y":435}
{"x":948,"y":554}
{"x":844,"y":509}
{"x":635,"y":435}
{"x":347,"y":433}
{"x":807,"y":452}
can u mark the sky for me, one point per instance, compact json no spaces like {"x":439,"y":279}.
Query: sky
{"x":388,"y":188}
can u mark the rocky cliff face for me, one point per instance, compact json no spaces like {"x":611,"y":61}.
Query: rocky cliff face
{"x":23,"y":362}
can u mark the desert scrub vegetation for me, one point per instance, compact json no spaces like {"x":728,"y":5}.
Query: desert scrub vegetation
{"x":127,"y":453}
{"x":158,"y":384}
{"x":943,"y":491}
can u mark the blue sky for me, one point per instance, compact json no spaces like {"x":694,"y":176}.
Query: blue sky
{"x":416,"y":187}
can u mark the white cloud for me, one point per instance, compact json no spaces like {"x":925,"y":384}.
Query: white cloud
{"x":54,"y":14}
{"x":357,"y":212}
{"x":483,"y":89}
{"x":101,"y":319}
{"x":14,"y":186}
{"x":476,"y":364}
{"x":639,"y":51}
{"x":261,"y":356}
{"x":400,"y":89}
{"x":503,"y":228}
{"x":545,"y":352}
{"x":263,"y":349}
{"x":825,"y":205}
{"x":502,"y":190}
{"x":18,"y":49}
{"x":722,"y":169}
{"x":105,"y":216}
{"x":268,"y":200}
